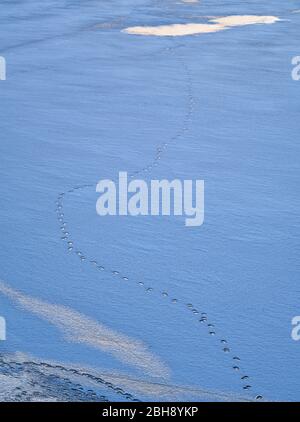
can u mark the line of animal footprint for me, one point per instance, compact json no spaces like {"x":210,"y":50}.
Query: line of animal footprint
{"x":65,"y":233}
{"x":29,"y":366}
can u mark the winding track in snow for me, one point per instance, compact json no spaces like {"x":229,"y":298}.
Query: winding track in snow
{"x":50,"y":380}
{"x":202,"y":316}
{"x":11,"y":365}
{"x":72,"y":248}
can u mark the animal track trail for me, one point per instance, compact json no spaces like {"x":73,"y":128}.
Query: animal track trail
{"x":61,"y":382}
{"x":200,"y":315}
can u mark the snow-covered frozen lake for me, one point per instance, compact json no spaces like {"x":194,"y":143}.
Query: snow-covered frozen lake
{"x":144,"y":308}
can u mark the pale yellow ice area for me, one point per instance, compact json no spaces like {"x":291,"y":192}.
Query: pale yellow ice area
{"x":78,"y":328}
{"x":174,"y":30}
{"x":241,"y":20}
{"x":215,"y":25}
